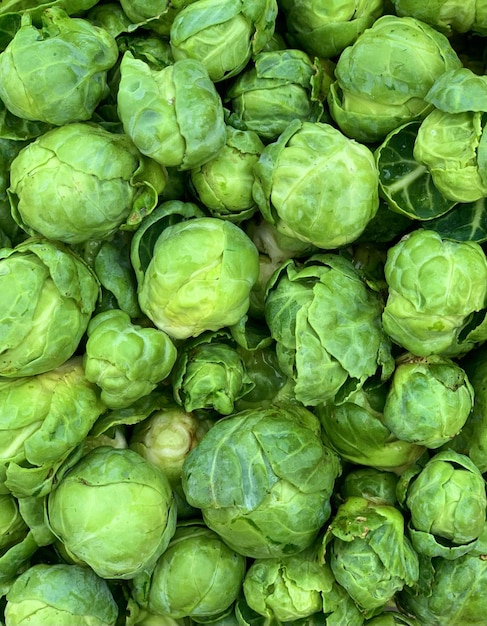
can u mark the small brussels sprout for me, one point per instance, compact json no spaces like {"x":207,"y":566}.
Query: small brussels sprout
{"x":287,"y":588}
{"x":210,"y":374}
{"x":447,"y":502}
{"x":370,"y":483}
{"x":355,"y":429}
{"x":113,"y":511}
{"x":156,"y":16}
{"x":325,"y":28}
{"x":126,"y":360}
{"x":222,"y":34}
{"x":306,"y":307}
{"x":358,"y":544}
{"x":317,"y":185}
{"x":428,"y":401}
{"x":43,"y":420}
{"x":224,"y":183}
{"x":173,"y":115}
{"x":383,"y":77}
{"x":199,"y":277}
{"x":79,"y":182}
{"x":57,"y":73}
{"x":61,"y":594}
{"x":263,"y":480}
{"x":197,"y":576}
{"x":455,"y":593}
{"x":280,"y":86}
{"x":49,"y":295}
{"x":436,"y":285}
{"x":453,"y":16}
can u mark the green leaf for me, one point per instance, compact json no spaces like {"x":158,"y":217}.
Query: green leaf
{"x":465,"y":222}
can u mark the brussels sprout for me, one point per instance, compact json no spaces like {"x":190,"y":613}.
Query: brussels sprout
{"x":383,"y":77}
{"x":173,"y":115}
{"x":358,"y":543}
{"x":263,"y":480}
{"x":454,"y":595}
{"x":199,"y":277}
{"x":447,"y":502}
{"x":436,"y":286}
{"x":57,"y":73}
{"x":210,"y":374}
{"x":224,"y":184}
{"x":43,"y":419}
{"x":61,"y":594}
{"x":280,"y":86}
{"x":450,"y":140}
{"x":317,"y":185}
{"x":79,"y":182}
{"x":156,"y":16}
{"x":429,"y":400}
{"x":325,"y":28}
{"x":198,"y":575}
{"x":222,"y":34}
{"x":49,"y":295}
{"x":288,"y":588}
{"x":126,"y":360}
{"x":12,"y":526}
{"x":448,"y":17}
{"x":326,"y":322}
{"x":376,"y":485}
{"x":114,"y":511}
{"x":355,"y":429}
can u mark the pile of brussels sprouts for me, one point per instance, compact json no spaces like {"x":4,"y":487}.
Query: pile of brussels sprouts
{"x":243,"y":312}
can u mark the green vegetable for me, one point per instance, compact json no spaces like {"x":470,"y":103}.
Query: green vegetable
{"x":79,"y":182}
{"x":57,"y":73}
{"x":199,"y":277}
{"x":263,"y":480}
{"x":197,"y":576}
{"x":173,"y":115}
{"x":448,"y":17}
{"x":114,"y":511}
{"x":49,"y":295}
{"x":125,"y":360}
{"x":61,"y":594}
{"x":436,"y":288}
{"x":317,"y":185}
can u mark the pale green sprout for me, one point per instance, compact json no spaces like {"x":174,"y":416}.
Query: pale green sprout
{"x":114,"y":511}
{"x":56,"y":73}
{"x":449,"y":17}
{"x":126,"y":360}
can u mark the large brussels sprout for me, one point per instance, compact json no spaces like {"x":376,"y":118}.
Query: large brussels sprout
{"x":263,"y":480}
{"x":429,"y":400}
{"x":454,"y":593}
{"x":126,"y":360}
{"x":224,"y":183}
{"x":280,"y":86}
{"x":43,"y":419}
{"x":446,"y":500}
{"x":222,"y":34}
{"x":199,"y":277}
{"x":355,"y":429}
{"x":61,"y":594}
{"x":436,"y":288}
{"x":317,"y":185}
{"x":382,"y":79}
{"x":326,"y":323}
{"x":173,"y":115}
{"x":197,"y":576}
{"x":48,"y":297}
{"x":113,"y":511}
{"x":57,"y":73}
{"x":80,"y":181}
{"x":358,"y":544}
{"x":451,"y":141}
{"x":450,"y":16}
{"x":326,"y":27}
